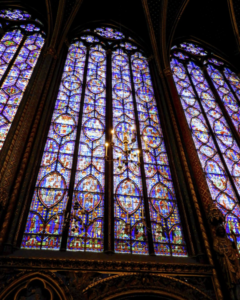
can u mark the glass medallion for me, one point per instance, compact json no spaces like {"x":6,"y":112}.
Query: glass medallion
{"x":110,"y":33}
{"x":124,"y":132}
{"x":122,"y":90}
{"x":95,"y":86}
{"x":88,"y":200}
{"x":226,"y":201}
{"x":72,"y":82}
{"x":145,"y":94}
{"x":51,"y":189}
{"x":120,"y":60}
{"x":139,"y":64}
{"x":64,"y":125}
{"x":128,"y":196}
{"x":14,"y":14}
{"x":97,"y":56}
{"x":151,"y":136}
{"x":93,"y":129}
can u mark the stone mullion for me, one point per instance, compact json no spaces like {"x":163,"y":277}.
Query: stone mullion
{"x":12,"y":173}
{"x":28,"y":185}
{"x":109,"y":205}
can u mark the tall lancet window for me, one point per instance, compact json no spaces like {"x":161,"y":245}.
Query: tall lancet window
{"x":20,"y":47}
{"x":105,"y":147}
{"x":209,"y":91}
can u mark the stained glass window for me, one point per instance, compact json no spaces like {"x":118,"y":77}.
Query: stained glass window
{"x":208,"y":91}
{"x":20,"y":48}
{"x":68,"y":205}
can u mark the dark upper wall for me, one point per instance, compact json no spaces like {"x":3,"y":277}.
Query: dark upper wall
{"x":128,"y":14}
{"x":210,"y":21}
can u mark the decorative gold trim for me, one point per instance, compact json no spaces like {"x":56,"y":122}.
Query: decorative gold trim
{"x":141,"y":282}
{"x":103,"y":265}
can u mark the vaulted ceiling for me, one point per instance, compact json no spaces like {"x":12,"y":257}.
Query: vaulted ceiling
{"x":215,"y":22}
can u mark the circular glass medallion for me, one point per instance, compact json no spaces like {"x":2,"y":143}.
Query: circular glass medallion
{"x":122,"y":90}
{"x":128,"y":196}
{"x":97,"y":56}
{"x":95,"y":86}
{"x":120,"y":60}
{"x":147,"y":78}
{"x":77,"y":53}
{"x":93,"y":129}
{"x":139,"y":64}
{"x":179,"y":72}
{"x":71,"y":82}
{"x":51,"y":189}
{"x":152,"y":136}
{"x":198,"y":125}
{"x":64,"y":125}
{"x":145,"y":94}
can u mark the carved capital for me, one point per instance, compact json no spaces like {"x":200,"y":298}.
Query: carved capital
{"x":167,"y":72}
{"x":150,"y":58}
{"x":51,"y":51}
{"x":67,"y":43}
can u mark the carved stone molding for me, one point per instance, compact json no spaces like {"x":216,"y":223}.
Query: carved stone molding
{"x":98,"y":286}
{"x":117,"y":285}
{"x":167,"y":71}
{"x":51,"y":51}
{"x":103,"y":265}
{"x":15,"y":284}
